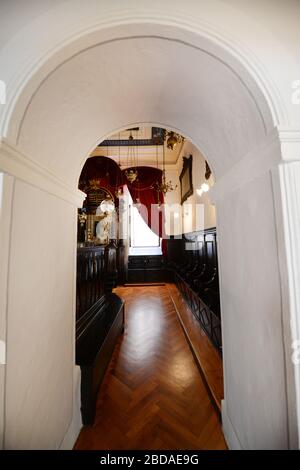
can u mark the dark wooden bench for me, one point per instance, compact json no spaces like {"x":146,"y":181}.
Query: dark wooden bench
{"x":100,"y":320}
{"x":97,"y":335}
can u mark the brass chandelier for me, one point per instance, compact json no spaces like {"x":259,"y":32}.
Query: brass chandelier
{"x":165,"y":186}
{"x":173,"y":139}
{"x":119,"y":185}
{"x":131,"y":173}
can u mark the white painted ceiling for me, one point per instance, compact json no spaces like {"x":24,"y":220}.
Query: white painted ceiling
{"x":141,"y":154}
{"x":140,"y":81}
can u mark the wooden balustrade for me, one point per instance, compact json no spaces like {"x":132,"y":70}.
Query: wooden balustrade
{"x":100,"y":319}
{"x":193,"y":261}
{"x":90,"y":278}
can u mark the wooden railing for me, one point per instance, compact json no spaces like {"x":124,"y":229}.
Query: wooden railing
{"x":90,"y":277}
{"x":195,"y":268}
{"x":100,"y":319}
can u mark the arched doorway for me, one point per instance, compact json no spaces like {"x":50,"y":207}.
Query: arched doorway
{"x":71,"y":103}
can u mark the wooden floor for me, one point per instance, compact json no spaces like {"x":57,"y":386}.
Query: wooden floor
{"x":153,"y":396}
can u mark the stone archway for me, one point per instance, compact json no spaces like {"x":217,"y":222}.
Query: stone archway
{"x":106,"y":79}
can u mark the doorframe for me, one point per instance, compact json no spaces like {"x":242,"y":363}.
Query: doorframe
{"x":6,"y":208}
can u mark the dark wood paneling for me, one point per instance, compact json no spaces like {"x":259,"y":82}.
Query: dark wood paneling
{"x":146,"y":268}
{"x":90,"y":278}
{"x":122,"y":256}
{"x":94,"y":349}
{"x":100,"y":319}
{"x":196,"y":275}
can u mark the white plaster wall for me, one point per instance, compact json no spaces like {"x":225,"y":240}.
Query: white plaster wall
{"x":198,"y":211}
{"x":76,"y":421}
{"x":279,"y":17}
{"x":3,"y":287}
{"x":255,"y":407}
{"x":248,"y":25}
{"x":57,"y":122}
{"x":173,"y":226}
{"x":172,"y":174}
{"x":15,"y":14}
{"x":286,"y":184}
{"x":6,"y":191}
{"x":40,"y":339}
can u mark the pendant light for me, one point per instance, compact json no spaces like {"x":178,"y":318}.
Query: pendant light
{"x":165,"y":186}
{"x":138,"y":200}
{"x":119,"y":186}
{"x":131,"y":173}
{"x":173,"y":140}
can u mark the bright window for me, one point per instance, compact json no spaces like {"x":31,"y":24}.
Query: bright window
{"x":142,"y":239}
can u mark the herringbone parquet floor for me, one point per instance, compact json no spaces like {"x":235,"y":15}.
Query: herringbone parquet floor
{"x":152,"y":396}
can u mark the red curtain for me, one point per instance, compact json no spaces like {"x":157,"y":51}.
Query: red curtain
{"x":143,"y":190}
{"x":109,"y":176}
{"x":103,"y":169}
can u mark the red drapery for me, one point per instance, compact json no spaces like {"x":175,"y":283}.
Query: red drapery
{"x":105,"y":171}
{"x":109,"y":176}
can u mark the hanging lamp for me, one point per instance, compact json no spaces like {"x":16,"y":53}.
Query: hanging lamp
{"x":119,"y":186}
{"x":131,"y":173}
{"x":138,"y":200}
{"x":165,"y":186}
{"x":173,"y":140}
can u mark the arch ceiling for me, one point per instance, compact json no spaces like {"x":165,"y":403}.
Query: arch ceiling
{"x":140,"y":80}
{"x":159,"y":72}
{"x":76,"y":74}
